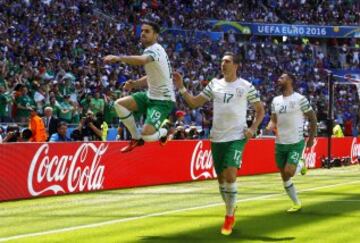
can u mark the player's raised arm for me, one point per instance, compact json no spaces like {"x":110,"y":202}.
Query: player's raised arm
{"x":131,"y":60}
{"x":192,"y":101}
{"x":136,"y":84}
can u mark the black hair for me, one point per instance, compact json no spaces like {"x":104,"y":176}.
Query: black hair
{"x":154,"y":25}
{"x":60,"y":124}
{"x":236,"y":58}
{"x":100,"y":117}
{"x":27,"y":133}
{"x":12,"y":127}
{"x":291,"y":76}
{"x":18,"y":87}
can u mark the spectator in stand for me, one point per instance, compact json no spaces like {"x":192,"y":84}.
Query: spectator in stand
{"x":36,"y":125}
{"x":85,"y":103}
{"x":50,"y":121}
{"x":40,"y":96}
{"x":93,"y":129}
{"x":26,"y":135}
{"x":180,"y":115}
{"x":337,"y":130}
{"x":60,"y":135}
{"x":13,"y":134}
{"x":62,"y":52}
{"x":5,"y":100}
{"x":179,"y":131}
{"x":104,"y":127}
{"x":348,"y":128}
{"x":66,"y":110}
{"x":24,"y":105}
{"x":97,"y":104}
{"x":55,"y":106}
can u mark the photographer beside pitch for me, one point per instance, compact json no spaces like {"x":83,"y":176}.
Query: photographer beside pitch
{"x":13,"y":134}
{"x":229,"y":134}
{"x":93,"y":128}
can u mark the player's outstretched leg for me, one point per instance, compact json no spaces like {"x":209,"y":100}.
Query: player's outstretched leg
{"x":126,"y":116}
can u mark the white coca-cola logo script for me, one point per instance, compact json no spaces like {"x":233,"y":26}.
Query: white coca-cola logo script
{"x":310,"y":156}
{"x":202,"y":163}
{"x":355,"y":151}
{"x":48,"y":173}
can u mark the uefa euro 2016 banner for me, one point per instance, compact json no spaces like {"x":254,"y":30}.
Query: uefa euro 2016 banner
{"x":43,"y":169}
{"x":319,"y":31}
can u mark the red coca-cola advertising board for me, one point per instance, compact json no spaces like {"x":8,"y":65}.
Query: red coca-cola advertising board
{"x":42,"y":169}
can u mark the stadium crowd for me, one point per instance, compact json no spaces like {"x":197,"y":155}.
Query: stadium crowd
{"x":195,"y":14}
{"x":51,"y":56}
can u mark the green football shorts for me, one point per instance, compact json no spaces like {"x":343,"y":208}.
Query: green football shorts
{"x":227,"y":154}
{"x":156,"y":111}
{"x":288,"y":153}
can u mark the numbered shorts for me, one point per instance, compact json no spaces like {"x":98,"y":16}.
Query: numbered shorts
{"x":288,"y":153}
{"x":156,"y":111}
{"x":227,"y":154}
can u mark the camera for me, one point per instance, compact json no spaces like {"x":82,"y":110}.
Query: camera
{"x":14,"y":131}
{"x":87,"y":120}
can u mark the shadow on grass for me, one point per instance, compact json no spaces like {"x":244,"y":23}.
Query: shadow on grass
{"x":272,"y":227}
{"x":234,"y":237}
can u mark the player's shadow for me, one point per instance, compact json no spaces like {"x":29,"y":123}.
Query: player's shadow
{"x":234,"y":237}
{"x":265,"y":227}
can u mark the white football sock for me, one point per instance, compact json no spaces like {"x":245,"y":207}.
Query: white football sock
{"x":299,"y":167}
{"x":156,"y":136}
{"x":222,"y":190}
{"x":230,"y":198}
{"x":291,"y":191}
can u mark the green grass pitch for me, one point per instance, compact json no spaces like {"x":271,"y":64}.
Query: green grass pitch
{"x":193,"y":212}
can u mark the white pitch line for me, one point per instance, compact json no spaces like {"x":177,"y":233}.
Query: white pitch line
{"x":312,"y":200}
{"x":115,"y":221}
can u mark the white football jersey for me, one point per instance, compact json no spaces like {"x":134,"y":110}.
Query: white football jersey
{"x":159,"y":74}
{"x":290,"y":111}
{"x":230,"y":101}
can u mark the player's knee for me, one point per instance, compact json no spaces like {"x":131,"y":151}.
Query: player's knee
{"x":289,"y":172}
{"x":120,"y":106}
{"x":126,"y":102}
{"x":119,"y":102}
{"x":231,"y":179}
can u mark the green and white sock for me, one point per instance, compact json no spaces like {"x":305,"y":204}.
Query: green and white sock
{"x":222,"y":190}
{"x":230,"y":198}
{"x":128,"y":119}
{"x":291,"y":191}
